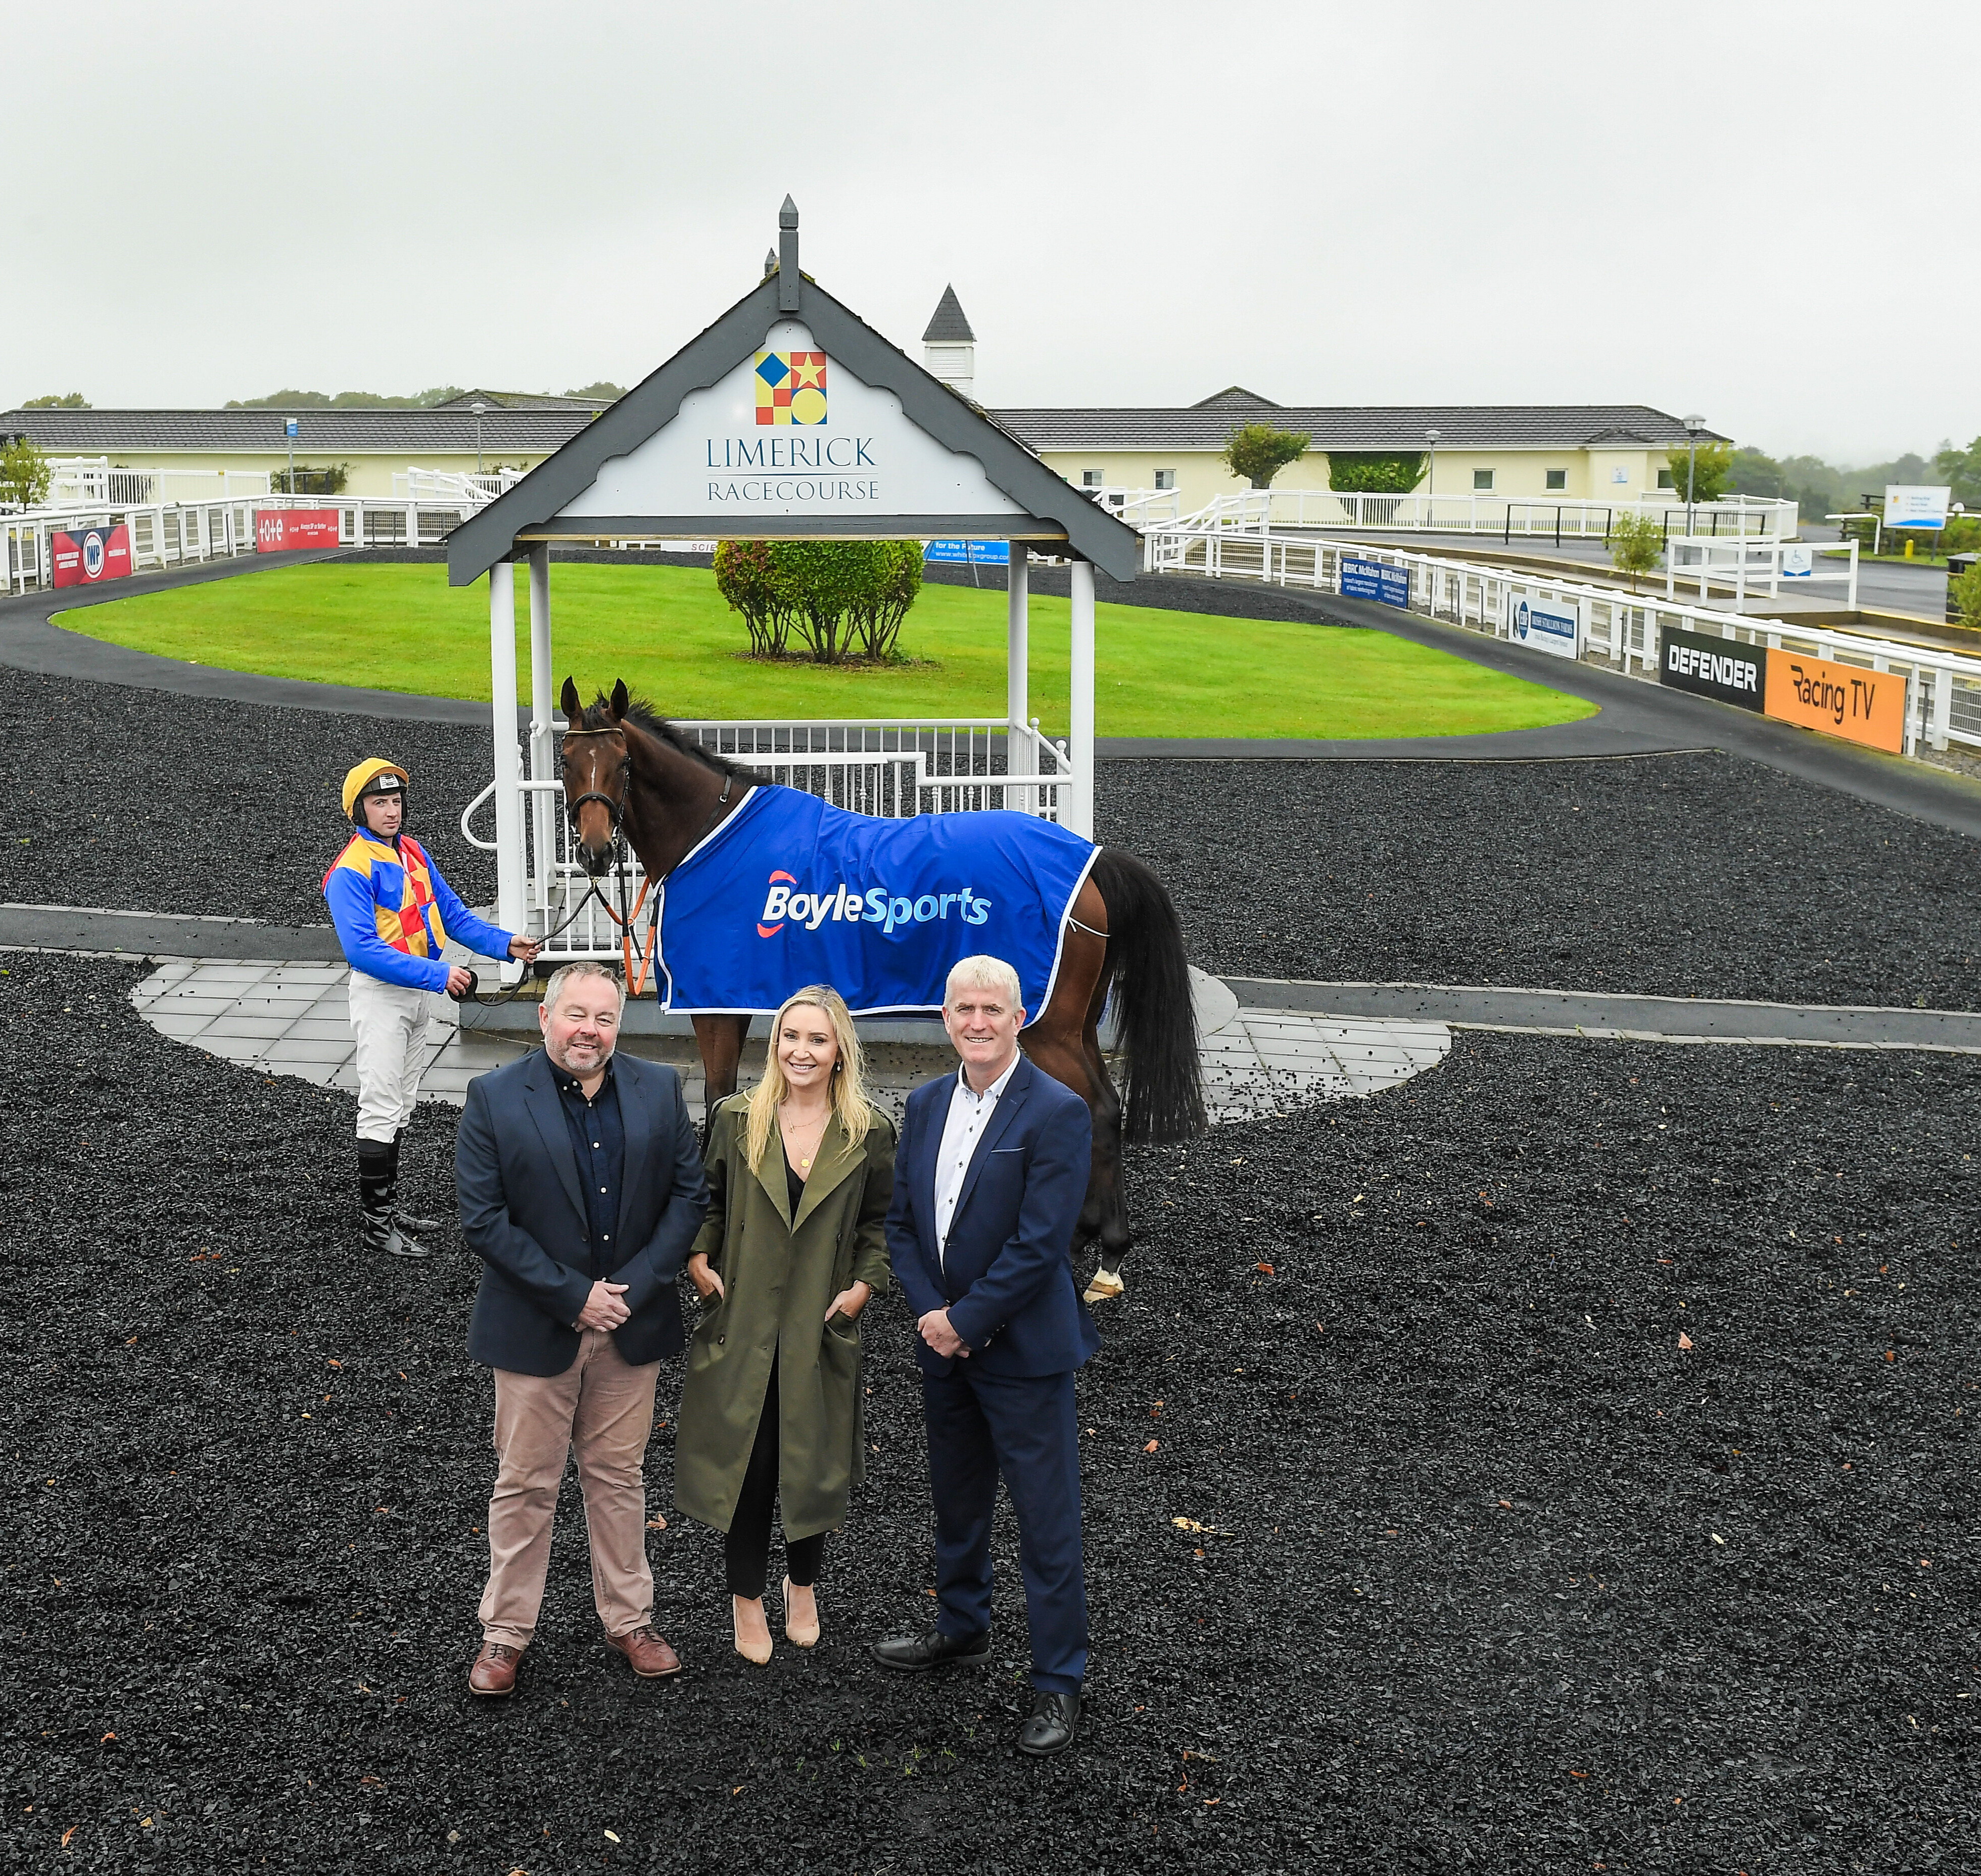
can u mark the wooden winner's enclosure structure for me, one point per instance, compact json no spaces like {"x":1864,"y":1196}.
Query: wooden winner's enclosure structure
{"x":789,"y":419}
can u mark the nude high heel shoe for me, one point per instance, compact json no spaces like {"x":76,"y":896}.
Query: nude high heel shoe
{"x":753,"y":1638}
{"x":801,"y":1635}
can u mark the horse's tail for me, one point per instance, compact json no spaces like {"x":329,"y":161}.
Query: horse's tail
{"x":1156,"y":1017}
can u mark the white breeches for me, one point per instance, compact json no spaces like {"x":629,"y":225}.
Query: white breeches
{"x":390,"y":1022}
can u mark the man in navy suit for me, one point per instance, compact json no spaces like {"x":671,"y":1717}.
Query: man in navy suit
{"x":581,"y":1188}
{"x":990,"y":1177}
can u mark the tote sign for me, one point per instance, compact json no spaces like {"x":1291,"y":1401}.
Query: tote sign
{"x":1374,"y":579}
{"x":1840,"y":700}
{"x":1550,"y":625}
{"x":282,"y":530}
{"x":90,"y":555}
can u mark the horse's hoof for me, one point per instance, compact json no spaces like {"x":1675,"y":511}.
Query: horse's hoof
{"x":1104,"y":1288}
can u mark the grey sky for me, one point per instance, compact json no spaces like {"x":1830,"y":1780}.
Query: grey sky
{"x":1750,"y":209}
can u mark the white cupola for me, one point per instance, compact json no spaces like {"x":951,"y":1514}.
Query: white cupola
{"x":949,"y":347}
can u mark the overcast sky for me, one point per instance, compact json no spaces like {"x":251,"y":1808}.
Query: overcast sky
{"x":1760,"y":212}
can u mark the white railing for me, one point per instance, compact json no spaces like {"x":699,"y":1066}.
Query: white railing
{"x":1140,"y":508}
{"x":474,"y":488}
{"x":93,"y":481}
{"x":1943,"y":687}
{"x":891,"y":769}
{"x":1733,"y":563}
{"x":1561,"y":517}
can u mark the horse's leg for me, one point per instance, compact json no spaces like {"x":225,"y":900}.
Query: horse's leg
{"x":1061,"y":1040}
{"x":721,"y":1040}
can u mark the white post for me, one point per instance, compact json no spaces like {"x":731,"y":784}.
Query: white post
{"x":412,"y":524}
{"x":509,"y":858}
{"x":1079,"y":813}
{"x":543,"y":751}
{"x":1852,"y":602}
{"x":1018,"y":757}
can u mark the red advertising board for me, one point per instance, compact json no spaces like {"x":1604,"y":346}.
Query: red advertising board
{"x":282,"y":530}
{"x":92,"y":554}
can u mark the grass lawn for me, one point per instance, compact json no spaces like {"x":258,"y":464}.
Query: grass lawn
{"x":668,"y":633}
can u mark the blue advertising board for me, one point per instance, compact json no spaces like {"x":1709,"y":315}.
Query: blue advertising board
{"x":1374,"y":579}
{"x":976,"y":553}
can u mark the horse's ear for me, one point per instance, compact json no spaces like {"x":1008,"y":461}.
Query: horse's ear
{"x":567,"y":701}
{"x":620,"y":701}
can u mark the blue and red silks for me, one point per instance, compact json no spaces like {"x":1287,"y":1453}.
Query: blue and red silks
{"x":790,"y":891}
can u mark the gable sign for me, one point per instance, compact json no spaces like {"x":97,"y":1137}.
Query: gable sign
{"x":790,"y":431}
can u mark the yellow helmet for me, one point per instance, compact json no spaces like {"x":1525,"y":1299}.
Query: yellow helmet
{"x":374,"y":775}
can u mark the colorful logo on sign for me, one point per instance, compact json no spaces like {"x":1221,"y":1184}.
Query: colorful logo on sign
{"x":790,"y":387}
{"x":876,"y":905}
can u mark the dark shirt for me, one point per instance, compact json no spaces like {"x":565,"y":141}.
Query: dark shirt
{"x":793,"y":1185}
{"x":599,"y":1137}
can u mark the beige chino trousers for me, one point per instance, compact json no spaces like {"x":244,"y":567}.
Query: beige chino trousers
{"x":602,"y":1409}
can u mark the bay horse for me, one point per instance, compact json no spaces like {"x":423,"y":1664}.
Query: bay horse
{"x":629,"y":774}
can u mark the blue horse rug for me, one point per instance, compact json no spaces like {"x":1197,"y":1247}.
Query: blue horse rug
{"x":790,"y":890}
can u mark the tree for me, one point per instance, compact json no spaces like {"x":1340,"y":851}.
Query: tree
{"x":74,"y":400}
{"x":1258,"y":452}
{"x":839,"y":598}
{"x":1965,"y":592}
{"x":23,"y":475}
{"x":343,"y":401}
{"x":1960,"y":469}
{"x":1374,"y":472}
{"x":1635,"y":542}
{"x":603,"y":389}
{"x":1711,"y":470}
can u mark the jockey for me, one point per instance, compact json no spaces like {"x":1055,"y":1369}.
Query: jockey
{"x":393,"y":912}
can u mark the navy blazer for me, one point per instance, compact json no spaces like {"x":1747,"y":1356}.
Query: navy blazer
{"x":522,"y":1211}
{"x":1007,"y":1281}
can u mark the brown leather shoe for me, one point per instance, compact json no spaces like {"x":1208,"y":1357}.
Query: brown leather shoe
{"x":493,"y":1674}
{"x":652,"y":1659}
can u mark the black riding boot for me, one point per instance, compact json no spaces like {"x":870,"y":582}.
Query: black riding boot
{"x":376,"y":1184}
{"x":406,"y":1220}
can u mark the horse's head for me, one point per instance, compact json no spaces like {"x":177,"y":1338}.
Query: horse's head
{"x":598,"y":775}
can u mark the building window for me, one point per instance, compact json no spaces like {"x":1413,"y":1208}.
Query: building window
{"x":1482,"y":481}
{"x":1166,"y":478}
{"x":1557,"y":478}
{"x":1665,"y":479}
{"x":1090,"y":478}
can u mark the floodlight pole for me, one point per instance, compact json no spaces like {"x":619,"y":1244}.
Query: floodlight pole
{"x":1692,"y":426}
{"x":478,"y":409}
{"x":1431,"y":437}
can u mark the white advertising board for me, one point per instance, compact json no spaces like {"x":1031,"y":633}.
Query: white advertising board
{"x":1553,"y":625}
{"x":792,"y":432}
{"x":1906,"y":507}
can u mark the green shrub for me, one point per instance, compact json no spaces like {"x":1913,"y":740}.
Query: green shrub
{"x":25,"y":475}
{"x":332,"y":479}
{"x":1712,"y":469}
{"x":1965,"y":590}
{"x":1374,"y":472}
{"x":1258,"y":452}
{"x":836,"y":598}
{"x":1635,"y":541}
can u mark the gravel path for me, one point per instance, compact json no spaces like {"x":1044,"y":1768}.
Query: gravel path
{"x":1684,"y":875}
{"x":1492,"y":1575}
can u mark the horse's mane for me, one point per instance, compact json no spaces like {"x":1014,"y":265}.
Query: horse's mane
{"x":597,"y":715}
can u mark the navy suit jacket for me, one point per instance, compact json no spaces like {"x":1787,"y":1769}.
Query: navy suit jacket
{"x":1007,"y":1280}
{"x":522,"y":1211}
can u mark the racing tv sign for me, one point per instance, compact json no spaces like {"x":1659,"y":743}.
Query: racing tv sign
{"x":1374,"y":579}
{"x":1723,"y":668}
{"x":1550,"y":625}
{"x":282,"y":530}
{"x":92,"y":554}
{"x":1840,"y":700}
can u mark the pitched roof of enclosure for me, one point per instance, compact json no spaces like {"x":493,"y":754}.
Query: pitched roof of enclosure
{"x":1463,"y":426}
{"x":321,"y":432}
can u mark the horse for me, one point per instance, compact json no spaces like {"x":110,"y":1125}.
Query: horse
{"x":630,"y":776}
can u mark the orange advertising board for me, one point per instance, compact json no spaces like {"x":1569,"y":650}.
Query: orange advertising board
{"x":1840,"y":700}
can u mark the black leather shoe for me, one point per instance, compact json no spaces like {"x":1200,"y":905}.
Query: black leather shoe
{"x":1055,"y":1719}
{"x":916,"y":1654}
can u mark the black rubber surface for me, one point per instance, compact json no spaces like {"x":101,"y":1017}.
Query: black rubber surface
{"x":1697,"y":875}
{"x":1481,"y":1570}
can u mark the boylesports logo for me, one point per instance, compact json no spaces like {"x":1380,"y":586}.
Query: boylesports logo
{"x":790,"y":387}
{"x":876,"y":905}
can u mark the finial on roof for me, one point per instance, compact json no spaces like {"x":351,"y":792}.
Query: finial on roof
{"x":770,"y":262}
{"x":948,"y":326}
{"x":788,"y":257}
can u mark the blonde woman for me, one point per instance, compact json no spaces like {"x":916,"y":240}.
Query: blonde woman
{"x":800,"y":1171}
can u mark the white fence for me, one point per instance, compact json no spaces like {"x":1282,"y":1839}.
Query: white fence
{"x":870,"y":766}
{"x":92,"y":482}
{"x":473,"y":491}
{"x":1943,"y":688}
{"x":1736,"y":563}
{"x":1560,"y":517}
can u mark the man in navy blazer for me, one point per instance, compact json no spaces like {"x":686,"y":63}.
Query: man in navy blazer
{"x":581,"y":1189}
{"x":990,"y":1177}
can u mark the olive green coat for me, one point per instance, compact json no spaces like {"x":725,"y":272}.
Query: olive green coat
{"x":780,"y":1275}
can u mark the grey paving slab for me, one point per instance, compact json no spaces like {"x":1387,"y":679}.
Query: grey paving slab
{"x":40,"y":927}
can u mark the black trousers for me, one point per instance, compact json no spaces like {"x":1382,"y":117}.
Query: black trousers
{"x":747,"y":1550}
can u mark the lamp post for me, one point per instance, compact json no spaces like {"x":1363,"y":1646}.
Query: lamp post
{"x":477,"y":407}
{"x":1430,"y":517}
{"x":1693,"y":425}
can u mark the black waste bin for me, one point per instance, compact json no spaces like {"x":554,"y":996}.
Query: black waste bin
{"x":1956,"y":565}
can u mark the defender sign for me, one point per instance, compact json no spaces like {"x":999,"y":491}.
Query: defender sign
{"x":1550,"y":625}
{"x":1374,"y":579}
{"x":1709,"y":667}
{"x":1840,"y":700}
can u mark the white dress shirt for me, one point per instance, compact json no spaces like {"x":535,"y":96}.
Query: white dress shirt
{"x":969,"y":1113}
